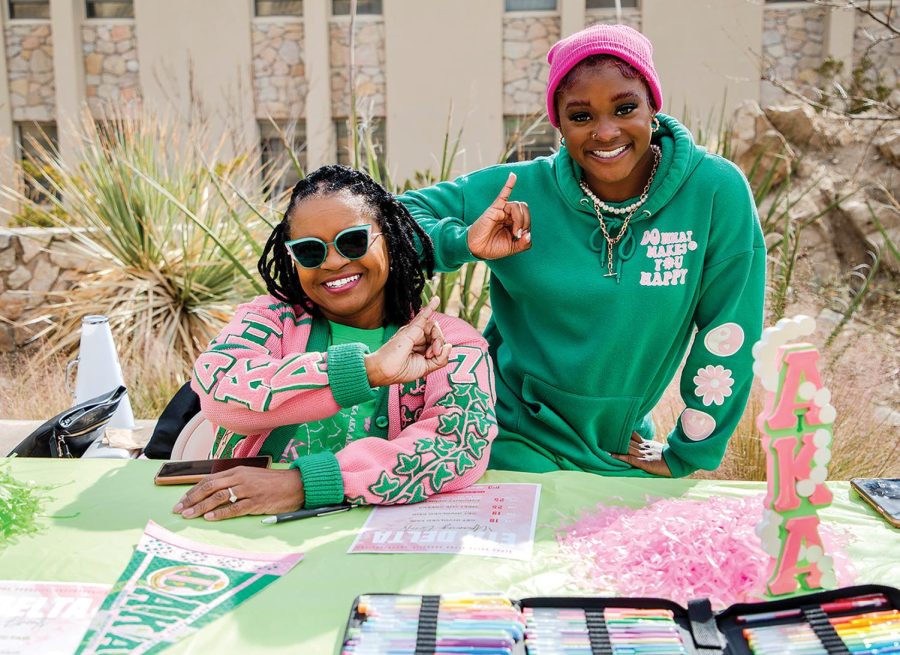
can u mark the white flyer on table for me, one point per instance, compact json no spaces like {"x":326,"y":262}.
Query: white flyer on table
{"x":492,"y":520}
{"x":49,"y":618}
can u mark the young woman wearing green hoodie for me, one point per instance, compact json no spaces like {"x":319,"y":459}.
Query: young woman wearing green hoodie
{"x":609,"y":260}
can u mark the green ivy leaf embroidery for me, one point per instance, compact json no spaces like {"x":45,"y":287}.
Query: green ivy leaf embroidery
{"x":385,"y":485}
{"x":459,"y":445}
{"x":440,"y":477}
{"x":443,"y":447}
{"x":463,"y":462}
{"x":451,"y":424}
{"x":475,"y":445}
{"x":408,"y":464}
{"x":417,"y":495}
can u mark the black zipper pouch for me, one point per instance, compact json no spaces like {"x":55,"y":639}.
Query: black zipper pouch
{"x":702,"y":631}
{"x":69,"y":433}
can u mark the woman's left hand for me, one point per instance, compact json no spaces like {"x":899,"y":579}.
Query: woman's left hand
{"x":257,"y":491}
{"x":645,"y":455}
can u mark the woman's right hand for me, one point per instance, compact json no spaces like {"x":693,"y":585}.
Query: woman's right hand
{"x":416,"y":350}
{"x":503,"y":229}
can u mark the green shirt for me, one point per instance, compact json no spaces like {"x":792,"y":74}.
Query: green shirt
{"x":581,"y":358}
{"x":287,"y":443}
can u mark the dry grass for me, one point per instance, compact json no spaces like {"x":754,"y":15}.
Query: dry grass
{"x":33,"y":389}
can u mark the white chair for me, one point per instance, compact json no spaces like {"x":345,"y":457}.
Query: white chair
{"x":195,"y":441}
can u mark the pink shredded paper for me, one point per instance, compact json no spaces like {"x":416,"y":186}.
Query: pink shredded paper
{"x":679,"y":549}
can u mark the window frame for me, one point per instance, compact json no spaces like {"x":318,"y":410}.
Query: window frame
{"x":278,"y":17}
{"x":364,"y":14}
{"x":342,"y":132}
{"x":636,"y":5}
{"x":8,"y":13}
{"x":107,"y":19}
{"x":541,"y":147}
{"x":50,"y":129}
{"x":530,"y":12}
{"x":296,"y":130}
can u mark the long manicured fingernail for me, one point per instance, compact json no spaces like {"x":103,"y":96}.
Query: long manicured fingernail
{"x":528,"y":235}
{"x":519,"y":234}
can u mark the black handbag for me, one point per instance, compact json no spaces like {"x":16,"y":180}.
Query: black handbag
{"x":69,"y":433}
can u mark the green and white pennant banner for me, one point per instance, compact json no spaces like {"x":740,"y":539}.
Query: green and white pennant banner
{"x":172,"y":587}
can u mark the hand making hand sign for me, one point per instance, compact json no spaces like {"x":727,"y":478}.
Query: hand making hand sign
{"x":504,"y":228}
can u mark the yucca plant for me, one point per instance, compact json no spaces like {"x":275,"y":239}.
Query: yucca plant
{"x":177,"y":236}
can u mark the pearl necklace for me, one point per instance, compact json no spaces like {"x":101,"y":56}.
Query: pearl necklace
{"x":628,"y":211}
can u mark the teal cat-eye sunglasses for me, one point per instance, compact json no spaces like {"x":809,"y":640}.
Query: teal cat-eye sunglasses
{"x":352,"y":243}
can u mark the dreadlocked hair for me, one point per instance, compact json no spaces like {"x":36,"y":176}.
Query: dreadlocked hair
{"x":410,"y":268}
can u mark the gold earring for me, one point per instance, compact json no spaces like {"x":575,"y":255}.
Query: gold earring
{"x":562,"y":140}
{"x":654,"y":125}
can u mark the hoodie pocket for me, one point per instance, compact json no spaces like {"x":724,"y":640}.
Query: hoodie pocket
{"x":604,"y":422}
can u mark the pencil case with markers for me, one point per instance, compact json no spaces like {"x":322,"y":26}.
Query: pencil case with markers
{"x":861,"y":619}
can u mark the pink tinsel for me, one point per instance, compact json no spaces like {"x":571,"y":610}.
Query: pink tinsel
{"x":679,"y":549}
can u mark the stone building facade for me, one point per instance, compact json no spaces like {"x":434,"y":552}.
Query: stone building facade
{"x":34,"y":264}
{"x":111,"y":66}
{"x":29,"y":65}
{"x":793,"y":48}
{"x":371,"y":81}
{"x":279,"y":74}
{"x":297,"y":65}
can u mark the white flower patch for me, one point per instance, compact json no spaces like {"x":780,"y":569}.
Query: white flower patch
{"x":713,"y":384}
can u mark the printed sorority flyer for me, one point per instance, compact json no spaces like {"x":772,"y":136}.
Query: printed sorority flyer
{"x":492,"y":520}
{"x":174,"y":586}
{"x":46,"y":617}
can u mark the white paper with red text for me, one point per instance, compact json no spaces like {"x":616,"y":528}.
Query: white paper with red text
{"x":491,"y":520}
{"x":46,"y":617}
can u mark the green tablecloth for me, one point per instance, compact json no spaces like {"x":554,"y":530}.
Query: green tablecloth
{"x":100,"y":508}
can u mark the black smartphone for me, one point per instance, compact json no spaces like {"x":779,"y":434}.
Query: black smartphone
{"x":191,"y":471}
{"x":883,"y":494}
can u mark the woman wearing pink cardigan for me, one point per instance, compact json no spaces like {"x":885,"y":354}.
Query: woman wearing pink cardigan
{"x":339,"y":371}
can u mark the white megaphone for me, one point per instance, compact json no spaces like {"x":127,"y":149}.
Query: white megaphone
{"x":99,"y":372}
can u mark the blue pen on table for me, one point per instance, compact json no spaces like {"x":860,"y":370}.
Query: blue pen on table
{"x":306,"y":513}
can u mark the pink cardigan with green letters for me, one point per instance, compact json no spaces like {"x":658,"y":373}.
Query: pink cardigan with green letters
{"x":261,"y":372}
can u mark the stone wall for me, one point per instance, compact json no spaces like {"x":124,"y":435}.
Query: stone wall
{"x":33,"y":261}
{"x":29,"y":62}
{"x":110,"y":65}
{"x":793,"y":48}
{"x":885,"y":56}
{"x":526,"y":41}
{"x":370,"y":63}
{"x":279,"y":74}
{"x":630,"y":17}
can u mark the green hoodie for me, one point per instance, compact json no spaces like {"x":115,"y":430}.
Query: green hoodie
{"x":581,"y":359}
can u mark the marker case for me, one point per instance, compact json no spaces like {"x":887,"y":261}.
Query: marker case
{"x":703,"y":631}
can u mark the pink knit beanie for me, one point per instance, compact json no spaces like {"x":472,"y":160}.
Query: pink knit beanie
{"x":621,"y":41}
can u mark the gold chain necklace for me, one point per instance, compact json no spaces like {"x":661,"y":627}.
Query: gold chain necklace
{"x":599,"y":204}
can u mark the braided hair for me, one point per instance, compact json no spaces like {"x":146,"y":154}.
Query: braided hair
{"x":409,"y":268}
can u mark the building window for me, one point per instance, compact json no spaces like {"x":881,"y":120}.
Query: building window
{"x":375,"y":131}
{"x":610,"y":4}
{"x":35,"y":141}
{"x":24,"y":9}
{"x":527,"y":138}
{"x":278,"y":7}
{"x":109,"y":8}
{"x":530,"y":5}
{"x":342,"y":7}
{"x":278,"y":166}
